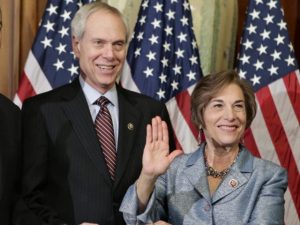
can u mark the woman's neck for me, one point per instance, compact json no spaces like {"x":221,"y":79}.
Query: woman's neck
{"x":220,"y":158}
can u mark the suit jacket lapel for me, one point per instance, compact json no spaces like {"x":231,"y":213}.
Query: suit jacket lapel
{"x":128,"y":122}
{"x":196,"y":173}
{"x":77,"y":111}
{"x":236,"y":178}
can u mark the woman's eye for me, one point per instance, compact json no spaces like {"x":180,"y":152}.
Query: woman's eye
{"x":239,"y":107}
{"x":217,"y":106}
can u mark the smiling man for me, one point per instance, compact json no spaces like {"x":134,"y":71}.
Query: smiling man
{"x":80,"y":157}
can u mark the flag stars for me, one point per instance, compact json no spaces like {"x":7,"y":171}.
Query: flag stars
{"x":254,"y":14}
{"x":255,"y":80}
{"x":167,"y":46}
{"x":184,"y":21}
{"x":186,"y":5}
{"x":282,"y":25}
{"x":66,"y":15}
{"x":179,"y":53}
{"x":49,"y":26}
{"x":61,"y":48}
{"x":52,"y":9}
{"x":242,"y":74}
{"x":164,"y":62}
{"x":148,"y":72}
{"x":279,"y":39}
{"x":63,"y":31}
{"x":145,"y":5}
{"x":156,"y":23}
{"x":251,"y":29}
{"x":272,"y":4}
{"x":248,"y":44}
{"x":79,"y":4}
{"x":158,"y":7}
{"x":174,"y":85}
{"x":140,"y":36}
{"x":69,"y":1}
{"x":58,"y":64}
{"x":177,"y":69}
{"x":151,"y":56}
{"x":161,"y":94}
{"x":46,"y":42}
{"x":191,"y":75}
{"x":171,"y":15}
{"x":262,"y":49}
{"x":163,"y":78}
{"x":73,"y":54}
{"x":258,"y":65}
{"x":182,"y":37}
{"x":258,"y":1}
{"x":132,"y":35}
{"x":276,"y":55}
{"x":169,"y":30}
{"x":269,"y":19}
{"x":291,"y":47}
{"x":137,"y":52}
{"x":265,"y":34}
{"x":142,"y":20}
{"x":245,"y":59}
{"x":73,"y":69}
{"x":193,"y":60}
{"x":273,"y":70}
{"x":153,"y":39}
{"x":194,"y":44}
{"x":290,"y":61}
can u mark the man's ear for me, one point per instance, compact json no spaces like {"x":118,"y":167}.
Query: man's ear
{"x":76,"y":46}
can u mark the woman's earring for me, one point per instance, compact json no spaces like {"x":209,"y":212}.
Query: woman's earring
{"x":200,"y":134}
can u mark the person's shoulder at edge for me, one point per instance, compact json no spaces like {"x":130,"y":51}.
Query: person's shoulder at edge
{"x":135,"y":95}
{"x":7,"y":106}
{"x":264,"y":165}
{"x":65,"y":91}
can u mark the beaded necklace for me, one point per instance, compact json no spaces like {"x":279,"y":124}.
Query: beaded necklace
{"x":210,"y":171}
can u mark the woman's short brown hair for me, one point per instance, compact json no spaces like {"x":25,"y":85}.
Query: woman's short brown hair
{"x":210,"y":85}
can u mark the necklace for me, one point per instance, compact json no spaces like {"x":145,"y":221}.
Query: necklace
{"x":210,"y":171}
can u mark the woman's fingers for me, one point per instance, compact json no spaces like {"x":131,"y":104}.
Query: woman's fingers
{"x":165,"y":132}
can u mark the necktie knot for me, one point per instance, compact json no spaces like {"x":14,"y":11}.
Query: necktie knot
{"x":102,"y":101}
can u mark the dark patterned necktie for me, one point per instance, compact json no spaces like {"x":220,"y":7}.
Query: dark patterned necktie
{"x":105,"y":133}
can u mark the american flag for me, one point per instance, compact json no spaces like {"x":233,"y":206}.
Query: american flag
{"x":163,"y":62}
{"x":50,"y":62}
{"x":267,"y":61}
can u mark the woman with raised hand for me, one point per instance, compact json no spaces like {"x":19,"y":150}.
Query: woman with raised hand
{"x":221,"y":182}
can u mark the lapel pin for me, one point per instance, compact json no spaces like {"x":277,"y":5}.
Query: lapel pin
{"x":233,"y":183}
{"x":130,"y":126}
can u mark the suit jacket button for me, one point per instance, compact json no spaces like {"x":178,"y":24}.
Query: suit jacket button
{"x":207,"y":207}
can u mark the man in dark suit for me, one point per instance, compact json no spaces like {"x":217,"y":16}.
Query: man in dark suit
{"x":66,"y":178}
{"x":10,"y":140}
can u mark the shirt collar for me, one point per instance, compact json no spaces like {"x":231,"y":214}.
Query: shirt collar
{"x":91,"y":94}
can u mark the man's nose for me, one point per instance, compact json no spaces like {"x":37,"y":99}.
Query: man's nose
{"x":108,"y":51}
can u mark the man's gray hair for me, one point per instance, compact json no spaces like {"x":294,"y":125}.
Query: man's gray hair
{"x":79,"y":21}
